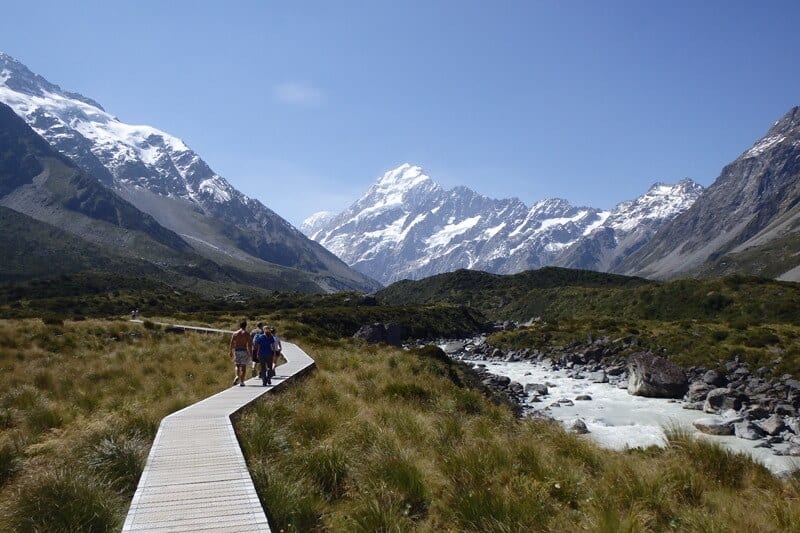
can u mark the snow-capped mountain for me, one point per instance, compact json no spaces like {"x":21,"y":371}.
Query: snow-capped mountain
{"x":162,"y":176}
{"x":407,"y":226}
{"x":630,"y":225}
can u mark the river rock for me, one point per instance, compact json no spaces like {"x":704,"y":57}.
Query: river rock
{"x":566,"y":402}
{"x":579,"y":427}
{"x":772,"y":425}
{"x":715,"y":426}
{"x":598,"y":377}
{"x":756,"y":412}
{"x":453,"y":347}
{"x":785,"y":409}
{"x":714,"y":378}
{"x":582,"y":398}
{"x":722,"y":399}
{"x":747,"y":430}
{"x":698,"y":391}
{"x":655,"y":377}
{"x":794,"y":425}
{"x":538,"y":388}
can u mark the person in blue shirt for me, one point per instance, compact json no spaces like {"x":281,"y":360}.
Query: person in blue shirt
{"x":263,"y":352}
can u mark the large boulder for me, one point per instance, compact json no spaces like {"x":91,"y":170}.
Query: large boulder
{"x":394,"y":334}
{"x":655,"y":377}
{"x":374,"y":333}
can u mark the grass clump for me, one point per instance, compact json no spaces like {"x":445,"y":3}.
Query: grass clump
{"x":119,"y":460}
{"x":62,"y":501}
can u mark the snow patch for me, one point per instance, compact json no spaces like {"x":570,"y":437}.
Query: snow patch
{"x":764,"y":144}
{"x":449,"y":232}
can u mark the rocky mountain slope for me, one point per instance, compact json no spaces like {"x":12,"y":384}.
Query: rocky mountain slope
{"x":56,"y":218}
{"x":160,"y":175}
{"x":629,"y":226}
{"x":407,"y":226}
{"x":746,"y":222}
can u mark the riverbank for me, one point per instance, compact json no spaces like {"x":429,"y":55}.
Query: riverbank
{"x":585,"y":386}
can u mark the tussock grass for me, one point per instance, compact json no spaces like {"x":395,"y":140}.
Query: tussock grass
{"x":80,"y":404}
{"x":385,"y":440}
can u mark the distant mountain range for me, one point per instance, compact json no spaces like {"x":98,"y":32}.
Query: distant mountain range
{"x":407,"y":226}
{"x":82,"y":190}
{"x":165,"y":189}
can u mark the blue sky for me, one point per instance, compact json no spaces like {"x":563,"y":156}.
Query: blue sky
{"x":304,"y":104}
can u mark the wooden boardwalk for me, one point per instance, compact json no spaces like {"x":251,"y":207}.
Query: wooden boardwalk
{"x":196,"y":478}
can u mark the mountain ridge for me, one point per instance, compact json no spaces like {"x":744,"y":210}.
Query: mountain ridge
{"x":407,"y":226}
{"x":137,"y":161}
{"x":752,"y":203}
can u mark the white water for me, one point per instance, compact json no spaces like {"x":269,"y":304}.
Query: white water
{"x":618,"y":420}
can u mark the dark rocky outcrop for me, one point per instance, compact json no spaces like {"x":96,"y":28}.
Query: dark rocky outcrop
{"x":655,"y":377}
{"x":391,"y":334}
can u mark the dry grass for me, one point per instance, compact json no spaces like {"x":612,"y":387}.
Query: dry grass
{"x":377,"y":439}
{"x":384,"y":440}
{"x":79,"y":407}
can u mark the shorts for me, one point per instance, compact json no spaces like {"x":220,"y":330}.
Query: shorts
{"x":240,"y":357}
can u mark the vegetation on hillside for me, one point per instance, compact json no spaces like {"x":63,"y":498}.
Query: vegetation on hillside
{"x":555,"y":294}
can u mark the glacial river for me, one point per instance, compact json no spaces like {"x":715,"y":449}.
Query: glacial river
{"x":617,"y":420}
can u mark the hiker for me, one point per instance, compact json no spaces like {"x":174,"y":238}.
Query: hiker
{"x":275,"y":342}
{"x":259,"y":329}
{"x":241,"y":352}
{"x":262,"y":350}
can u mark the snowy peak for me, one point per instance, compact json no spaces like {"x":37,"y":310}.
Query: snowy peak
{"x":661,"y":202}
{"x":316,"y":222}
{"x":785,"y":130}
{"x":18,"y":77}
{"x":109,"y":149}
{"x":404,"y":177}
{"x":396,"y":184}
